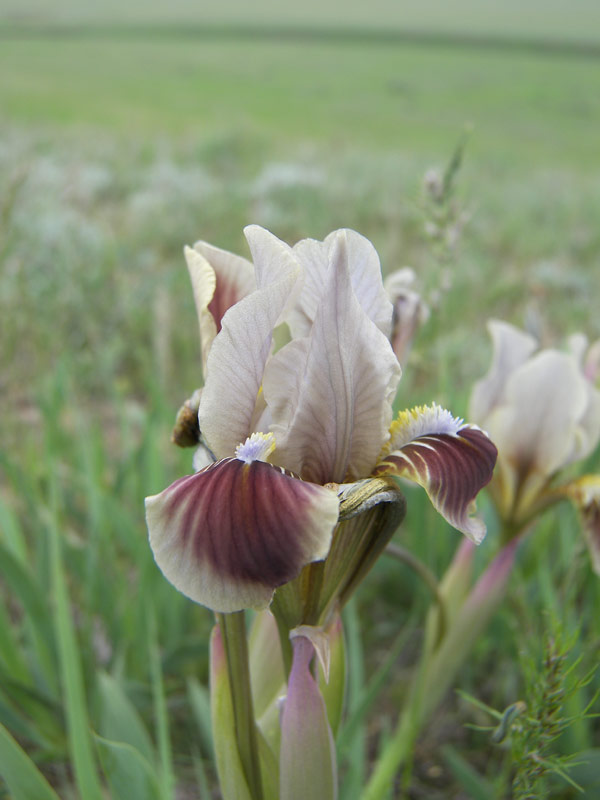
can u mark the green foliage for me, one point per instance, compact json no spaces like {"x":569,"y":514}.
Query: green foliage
{"x":534,"y":730}
{"x":114,"y":154}
{"x":549,"y":686}
{"x":22,"y":778}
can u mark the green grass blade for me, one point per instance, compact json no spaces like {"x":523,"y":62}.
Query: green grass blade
{"x":10,"y":652}
{"x":12,"y":534}
{"x":355,"y":752}
{"x":199,"y":700}
{"x":167,"y":778}
{"x":38,"y":623}
{"x":200,"y":772}
{"x":80,"y":745}
{"x":119,"y":720}
{"x":369,"y":695}
{"x":129,"y":775}
{"x":474,"y":784}
{"x":22,"y":777}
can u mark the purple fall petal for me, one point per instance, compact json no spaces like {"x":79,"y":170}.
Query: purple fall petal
{"x":452,"y":468}
{"x":230,"y":534}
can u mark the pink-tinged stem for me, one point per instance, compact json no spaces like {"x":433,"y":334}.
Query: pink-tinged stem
{"x":438,"y":669}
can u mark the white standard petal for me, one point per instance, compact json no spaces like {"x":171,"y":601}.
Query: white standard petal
{"x":237,"y":360}
{"x":271,"y":256}
{"x":317,"y":258}
{"x":219,"y":280}
{"x":512,"y":348}
{"x":537,"y":427}
{"x":331,"y":393}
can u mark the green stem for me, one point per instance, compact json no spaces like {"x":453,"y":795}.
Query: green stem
{"x":235,"y":643}
{"x":437,"y":669}
{"x":395,"y":753}
{"x":428,"y":578}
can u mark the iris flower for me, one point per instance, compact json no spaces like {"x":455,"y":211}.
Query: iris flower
{"x":542,"y":410}
{"x":295,"y":418}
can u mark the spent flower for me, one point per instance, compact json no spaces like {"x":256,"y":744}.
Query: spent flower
{"x":409,"y":310}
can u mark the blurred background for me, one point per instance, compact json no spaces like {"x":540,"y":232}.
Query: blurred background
{"x":129,"y":130}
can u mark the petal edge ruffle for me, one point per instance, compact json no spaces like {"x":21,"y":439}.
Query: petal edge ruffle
{"x":452,"y":468}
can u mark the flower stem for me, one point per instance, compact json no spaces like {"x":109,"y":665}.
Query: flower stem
{"x":428,"y":578}
{"x":439,"y":667}
{"x":235,"y":643}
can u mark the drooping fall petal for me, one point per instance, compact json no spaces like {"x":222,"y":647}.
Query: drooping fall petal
{"x":237,"y":359}
{"x":229,"y":535}
{"x":450,"y":460}
{"x":307,"y":756}
{"x":330,"y":394}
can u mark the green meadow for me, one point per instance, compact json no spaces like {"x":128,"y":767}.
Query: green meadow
{"x":121,"y":143}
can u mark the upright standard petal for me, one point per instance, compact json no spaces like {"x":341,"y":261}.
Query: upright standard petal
{"x":317,"y":258}
{"x":307,"y":758}
{"x":271,"y":256}
{"x":331,"y":393}
{"x":219,"y":280}
{"x":537,"y":427}
{"x":229,"y":535}
{"x":512,"y":348}
{"x":450,"y":460}
{"x":237,"y":360}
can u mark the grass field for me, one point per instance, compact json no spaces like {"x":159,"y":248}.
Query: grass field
{"x":115,"y":150}
{"x":527,"y":108}
{"x":520,"y":19}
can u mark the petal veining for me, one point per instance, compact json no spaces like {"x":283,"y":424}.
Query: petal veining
{"x":228,"y":536}
{"x":237,"y":360}
{"x":271,"y":256}
{"x":452,"y":466}
{"x":317,"y":258}
{"x":331,"y":393}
